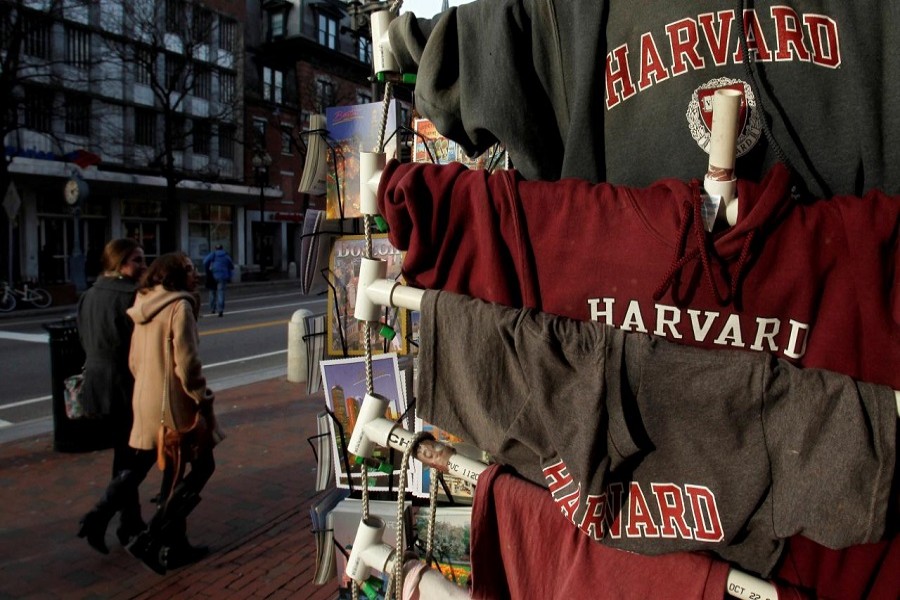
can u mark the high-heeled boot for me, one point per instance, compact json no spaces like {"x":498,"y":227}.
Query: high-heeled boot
{"x":93,"y":527}
{"x":177,"y":551}
{"x":147,"y":548}
{"x":130,"y":525}
{"x":180,"y":553}
{"x":130,"y":521}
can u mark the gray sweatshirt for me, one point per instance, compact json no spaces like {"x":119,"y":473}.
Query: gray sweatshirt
{"x":653,"y":447}
{"x":620,"y":91}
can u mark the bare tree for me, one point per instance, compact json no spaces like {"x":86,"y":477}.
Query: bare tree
{"x":35,"y":72}
{"x":167,"y":48}
{"x":43,"y":83}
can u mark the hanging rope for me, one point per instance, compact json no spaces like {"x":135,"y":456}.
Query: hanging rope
{"x":395,"y":586}
{"x":367,"y":331}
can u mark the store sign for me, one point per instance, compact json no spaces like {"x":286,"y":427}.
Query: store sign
{"x":293,"y":217}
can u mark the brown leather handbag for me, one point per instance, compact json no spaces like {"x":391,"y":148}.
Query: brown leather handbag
{"x":175,"y":445}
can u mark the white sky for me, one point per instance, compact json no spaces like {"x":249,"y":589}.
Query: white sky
{"x":427,"y":8}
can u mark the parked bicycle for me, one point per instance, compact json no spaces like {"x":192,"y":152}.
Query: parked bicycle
{"x":37,"y":297}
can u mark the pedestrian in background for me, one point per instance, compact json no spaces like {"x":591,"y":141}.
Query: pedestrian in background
{"x":209,"y":281}
{"x":170,"y":388}
{"x":220,"y":264}
{"x":105,"y":331}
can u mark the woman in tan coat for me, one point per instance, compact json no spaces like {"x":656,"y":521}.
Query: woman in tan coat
{"x":169,"y":387}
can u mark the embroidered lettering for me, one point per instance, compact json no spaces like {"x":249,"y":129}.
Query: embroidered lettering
{"x":707,"y":523}
{"x":789,"y":35}
{"x":713,"y":40}
{"x":671,"y":510}
{"x":683,"y":39}
{"x":768,"y":334}
{"x":662,"y":514}
{"x":640,"y":521}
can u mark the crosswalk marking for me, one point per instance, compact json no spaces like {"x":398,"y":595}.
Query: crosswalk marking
{"x":39,"y":338}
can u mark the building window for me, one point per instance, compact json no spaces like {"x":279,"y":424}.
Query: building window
{"x":364,"y":49}
{"x":143,"y":65}
{"x":227,"y":35}
{"x":174,"y":16}
{"x":208,"y":226}
{"x":176,"y":127}
{"x":328,"y":31}
{"x":259,"y":131}
{"x":78,"y":115}
{"x":146,"y":234}
{"x":202,"y":81}
{"x":226,"y":141}
{"x":201,"y":137}
{"x":201,"y":24}
{"x":276,"y":25}
{"x":324,"y":94}
{"x":39,"y":109}
{"x":175,"y":73}
{"x":362,"y":98}
{"x":286,"y":131}
{"x":141,"y":220}
{"x":78,"y":47}
{"x":36,"y":33}
{"x":226,"y":88}
{"x":144,"y":127}
{"x":273,"y":85}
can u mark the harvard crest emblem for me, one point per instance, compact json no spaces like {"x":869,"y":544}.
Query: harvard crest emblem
{"x":699,"y":114}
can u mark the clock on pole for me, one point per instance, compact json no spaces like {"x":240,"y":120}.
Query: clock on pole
{"x":75,"y":192}
{"x":75,"y":189}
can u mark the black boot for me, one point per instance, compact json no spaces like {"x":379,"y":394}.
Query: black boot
{"x":147,"y":549}
{"x":129,"y":529}
{"x":130,"y":522}
{"x":93,"y":527}
{"x":177,"y":550}
{"x":182,"y":553}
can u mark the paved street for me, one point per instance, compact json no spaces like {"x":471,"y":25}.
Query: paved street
{"x":248,"y":344}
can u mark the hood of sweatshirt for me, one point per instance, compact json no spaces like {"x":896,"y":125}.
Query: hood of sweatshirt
{"x":726,"y":255}
{"x":149,"y":303}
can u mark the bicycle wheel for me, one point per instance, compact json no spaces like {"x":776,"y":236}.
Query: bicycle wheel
{"x":7,"y":302}
{"x":39,"y":298}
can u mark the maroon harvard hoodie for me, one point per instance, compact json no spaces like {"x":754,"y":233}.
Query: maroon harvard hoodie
{"x":815,"y":283}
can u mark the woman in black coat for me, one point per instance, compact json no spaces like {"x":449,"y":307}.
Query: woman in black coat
{"x":105,"y":332}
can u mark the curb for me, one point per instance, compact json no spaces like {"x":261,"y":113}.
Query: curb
{"x":45,"y":425}
{"x":68,"y":310}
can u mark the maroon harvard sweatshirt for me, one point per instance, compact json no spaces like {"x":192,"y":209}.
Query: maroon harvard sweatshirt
{"x":815,"y":283}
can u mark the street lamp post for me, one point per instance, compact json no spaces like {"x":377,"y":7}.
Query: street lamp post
{"x":261,"y":163}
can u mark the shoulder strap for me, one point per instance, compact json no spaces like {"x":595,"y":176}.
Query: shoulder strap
{"x":170,"y":341}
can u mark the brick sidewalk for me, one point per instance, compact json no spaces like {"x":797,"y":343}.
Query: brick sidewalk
{"x":254,"y":514}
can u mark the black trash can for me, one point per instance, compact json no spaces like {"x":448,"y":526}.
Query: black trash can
{"x":67,"y":359}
